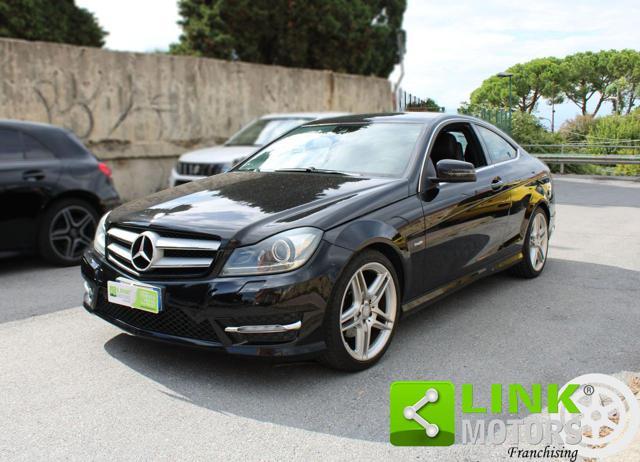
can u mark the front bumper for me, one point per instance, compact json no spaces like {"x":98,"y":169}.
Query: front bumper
{"x":206,"y":312}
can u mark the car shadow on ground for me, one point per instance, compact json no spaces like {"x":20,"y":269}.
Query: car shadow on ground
{"x":575,"y":318}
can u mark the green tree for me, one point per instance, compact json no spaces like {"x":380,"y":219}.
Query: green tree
{"x":588,"y":74}
{"x":577,"y":129}
{"x":625,"y":67}
{"x":532,"y":81}
{"x":611,"y":135}
{"x":526,"y":129}
{"x":354,"y":36}
{"x":60,"y":21}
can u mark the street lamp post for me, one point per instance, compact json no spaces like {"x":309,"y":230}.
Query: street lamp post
{"x":508,"y":75}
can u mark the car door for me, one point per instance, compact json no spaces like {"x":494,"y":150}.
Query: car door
{"x":506,"y":172}
{"x":28,"y":175}
{"x":464,"y":221}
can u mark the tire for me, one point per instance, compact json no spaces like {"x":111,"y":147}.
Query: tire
{"x":349,"y":323}
{"x":535,"y":248}
{"x":66,"y":230}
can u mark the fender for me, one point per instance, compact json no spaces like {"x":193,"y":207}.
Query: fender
{"x":360,"y":234}
{"x":526,"y":197}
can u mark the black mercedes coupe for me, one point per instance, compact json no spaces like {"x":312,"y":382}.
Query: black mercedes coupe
{"x":321,"y":241}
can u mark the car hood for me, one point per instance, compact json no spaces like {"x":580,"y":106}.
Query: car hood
{"x":249,"y":206}
{"x":218,"y":154}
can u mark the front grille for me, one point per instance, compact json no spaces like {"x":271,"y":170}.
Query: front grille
{"x":171,"y":321}
{"x":199,"y":169}
{"x":169,"y":254}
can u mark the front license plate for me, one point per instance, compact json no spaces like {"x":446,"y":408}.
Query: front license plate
{"x":137,"y":296}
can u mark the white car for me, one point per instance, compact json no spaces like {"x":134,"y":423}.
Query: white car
{"x":205,"y":162}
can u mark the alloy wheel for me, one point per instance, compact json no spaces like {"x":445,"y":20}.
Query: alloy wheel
{"x":368,"y":311}
{"x":71,"y":231}
{"x":538,"y":241}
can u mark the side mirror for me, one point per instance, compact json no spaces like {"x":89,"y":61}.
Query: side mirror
{"x":454,"y":171}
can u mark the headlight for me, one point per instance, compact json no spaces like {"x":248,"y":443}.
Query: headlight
{"x":99,"y":241}
{"x":283,"y":252}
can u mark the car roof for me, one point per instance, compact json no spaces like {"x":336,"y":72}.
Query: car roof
{"x":29,"y":127}
{"x":58,"y":140}
{"x":426,"y":118}
{"x":303,"y":115}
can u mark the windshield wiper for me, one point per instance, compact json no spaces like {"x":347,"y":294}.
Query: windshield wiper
{"x":315,"y":170}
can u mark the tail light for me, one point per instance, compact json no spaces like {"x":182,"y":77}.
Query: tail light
{"x":104,"y":168}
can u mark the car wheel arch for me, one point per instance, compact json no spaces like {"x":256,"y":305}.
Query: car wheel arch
{"x":533,"y":206}
{"x":394,"y":256}
{"x":91,"y":198}
{"x":375,"y":235}
{"x":545,"y":207}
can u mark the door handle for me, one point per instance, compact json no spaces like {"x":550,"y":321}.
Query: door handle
{"x":497,"y":183}
{"x":33,"y":175}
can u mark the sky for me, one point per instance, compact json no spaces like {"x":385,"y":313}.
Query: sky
{"x":452,"y":46}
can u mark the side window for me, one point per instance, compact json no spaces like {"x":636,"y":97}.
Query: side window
{"x":498,"y":148}
{"x":34,"y":150}
{"x":10,"y":145}
{"x":458,"y":142}
{"x":461,"y":139}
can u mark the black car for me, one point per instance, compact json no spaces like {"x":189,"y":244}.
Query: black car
{"x":52,"y":192}
{"x":322,"y":240}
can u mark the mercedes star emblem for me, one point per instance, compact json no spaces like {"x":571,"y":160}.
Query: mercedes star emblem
{"x":143,"y":251}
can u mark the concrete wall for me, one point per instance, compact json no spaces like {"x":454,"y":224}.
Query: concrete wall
{"x":140,"y":111}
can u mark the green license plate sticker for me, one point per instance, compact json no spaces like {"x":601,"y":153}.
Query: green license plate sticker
{"x":145,"y":298}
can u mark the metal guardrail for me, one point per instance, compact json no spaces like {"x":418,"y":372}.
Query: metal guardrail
{"x":563,"y":159}
{"x":601,"y":146}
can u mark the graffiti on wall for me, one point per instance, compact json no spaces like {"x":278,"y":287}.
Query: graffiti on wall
{"x":95,"y":109}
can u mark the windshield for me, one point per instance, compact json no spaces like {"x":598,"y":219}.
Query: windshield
{"x":263,"y":131}
{"x":380,"y":149}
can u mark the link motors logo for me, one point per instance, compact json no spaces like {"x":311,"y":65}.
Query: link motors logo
{"x":609,"y":414}
{"x":594,"y":415}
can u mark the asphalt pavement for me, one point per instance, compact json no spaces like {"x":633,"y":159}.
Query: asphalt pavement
{"x":74,"y":387}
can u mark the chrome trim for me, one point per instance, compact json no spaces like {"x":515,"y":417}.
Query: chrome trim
{"x":180,"y":262}
{"x":119,"y":251}
{"x":160,"y":243}
{"x":123,"y":266}
{"x":186,"y":244}
{"x":265,"y":329}
{"x":123,"y":234}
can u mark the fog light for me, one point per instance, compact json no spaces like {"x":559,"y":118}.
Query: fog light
{"x":88,"y":294}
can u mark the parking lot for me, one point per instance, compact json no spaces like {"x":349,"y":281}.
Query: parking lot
{"x":73,"y":386}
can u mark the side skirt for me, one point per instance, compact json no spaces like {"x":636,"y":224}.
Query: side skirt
{"x":444,"y":290}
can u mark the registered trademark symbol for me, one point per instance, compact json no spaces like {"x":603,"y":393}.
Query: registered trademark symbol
{"x":588,"y":390}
